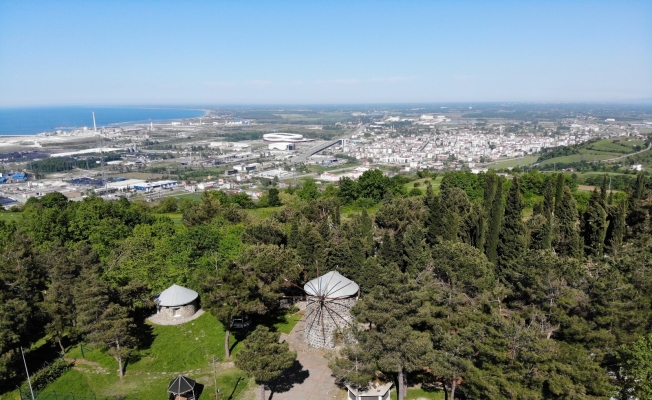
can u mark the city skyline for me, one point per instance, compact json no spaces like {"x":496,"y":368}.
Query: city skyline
{"x":323,"y":53}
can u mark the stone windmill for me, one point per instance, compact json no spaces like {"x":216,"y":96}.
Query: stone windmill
{"x":330,"y":298}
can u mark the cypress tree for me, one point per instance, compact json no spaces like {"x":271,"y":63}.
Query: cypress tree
{"x":495,"y":223}
{"x":483,"y":220}
{"x":415,"y":254}
{"x":603,"y":190}
{"x":616,"y":226}
{"x":293,"y":237}
{"x":387,"y":253}
{"x":548,"y":207}
{"x":594,"y":226}
{"x":566,"y":241}
{"x":639,"y":188}
{"x":548,"y":198}
{"x":539,"y":229}
{"x":430,"y":195}
{"x":559,"y":192}
{"x":433,"y":221}
{"x":512,"y":240}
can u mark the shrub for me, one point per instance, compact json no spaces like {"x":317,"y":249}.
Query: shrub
{"x":44,"y":376}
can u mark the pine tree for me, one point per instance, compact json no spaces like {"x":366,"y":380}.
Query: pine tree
{"x":566,"y":241}
{"x":115,"y":330}
{"x":495,"y":224}
{"x":263,"y":358}
{"x":594,"y":226}
{"x":91,"y":299}
{"x":233,"y":293}
{"x":512,"y":238}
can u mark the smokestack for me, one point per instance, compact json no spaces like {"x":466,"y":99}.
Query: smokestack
{"x":94,"y":126}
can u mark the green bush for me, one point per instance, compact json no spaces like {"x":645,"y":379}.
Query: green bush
{"x":43,"y":377}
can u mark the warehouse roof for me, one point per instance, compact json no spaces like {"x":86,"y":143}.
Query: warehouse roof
{"x":176,"y":295}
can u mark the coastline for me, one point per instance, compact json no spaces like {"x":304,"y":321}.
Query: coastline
{"x":32,"y":142}
{"x":66,"y":130}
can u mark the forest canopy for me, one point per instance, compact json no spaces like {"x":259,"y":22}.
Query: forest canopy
{"x":458,"y":288}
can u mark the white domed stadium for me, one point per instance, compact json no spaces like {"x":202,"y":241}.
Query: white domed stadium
{"x":283,"y":141}
{"x":284,"y":137}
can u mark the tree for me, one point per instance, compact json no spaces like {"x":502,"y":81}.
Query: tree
{"x":373,"y":184}
{"x":115,"y":331}
{"x":566,"y":241}
{"x":233,"y":292}
{"x":559,"y":192}
{"x":495,"y":224}
{"x":594,"y":226}
{"x":308,"y":190}
{"x":263,"y":358}
{"x":512,"y":240}
{"x":274,"y":200}
{"x":349,"y":190}
{"x":391,"y":311}
{"x":415,"y":253}
{"x":58,"y":301}
{"x":636,"y":362}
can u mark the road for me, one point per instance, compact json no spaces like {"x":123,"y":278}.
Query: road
{"x":316,"y":149}
{"x":649,"y":146}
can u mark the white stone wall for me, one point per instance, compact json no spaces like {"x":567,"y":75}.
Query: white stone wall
{"x":335,"y":315}
{"x":172,"y":313}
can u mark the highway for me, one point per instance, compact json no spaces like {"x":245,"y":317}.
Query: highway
{"x":322,"y":146}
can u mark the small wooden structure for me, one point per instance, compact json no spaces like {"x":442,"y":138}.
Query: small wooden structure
{"x":375,"y":391}
{"x":182,"y":388}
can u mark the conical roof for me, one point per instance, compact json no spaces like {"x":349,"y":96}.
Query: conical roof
{"x":176,"y":295}
{"x":181,"y":385}
{"x":331,"y":285}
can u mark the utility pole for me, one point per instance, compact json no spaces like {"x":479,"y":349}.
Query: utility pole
{"x":27,"y":372}
{"x":214,"y":363}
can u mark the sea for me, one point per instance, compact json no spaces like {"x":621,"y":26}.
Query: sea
{"x":34,"y":120}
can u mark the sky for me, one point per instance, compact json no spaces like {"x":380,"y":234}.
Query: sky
{"x":323,"y":52}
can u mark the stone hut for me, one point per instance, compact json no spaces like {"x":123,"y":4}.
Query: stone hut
{"x":176,"y":302}
{"x":328,"y":312}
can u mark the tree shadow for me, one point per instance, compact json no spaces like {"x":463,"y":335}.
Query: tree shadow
{"x":144,"y":335}
{"x":234,"y":388}
{"x":296,"y":374}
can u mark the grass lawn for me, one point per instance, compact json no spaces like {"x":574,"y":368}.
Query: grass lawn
{"x":620,"y":146}
{"x":418,"y":393}
{"x":258,"y":214}
{"x":523,"y":161}
{"x":183,"y":349}
{"x":175,"y":217}
{"x":288,"y":323}
{"x":10,"y":216}
{"x":191,"y":196}
{"x":436,"y":183}
{"x":586,"y":156}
